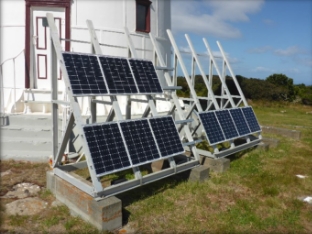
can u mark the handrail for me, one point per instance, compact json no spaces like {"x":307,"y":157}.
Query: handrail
{"x":14,"y":79}
{"x":12,"y":57}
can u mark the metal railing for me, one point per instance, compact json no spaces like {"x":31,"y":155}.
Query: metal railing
{"x":2,"y":87}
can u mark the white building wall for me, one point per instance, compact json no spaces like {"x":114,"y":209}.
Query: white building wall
{"x":109,"y":18}
{"x":12,"y":38}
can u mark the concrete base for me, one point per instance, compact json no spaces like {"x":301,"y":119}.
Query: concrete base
{"x":263,"y":146}
{"x":217,"y":165}
{"x":271,"y":142}
{"x":159,"y":165}
{"x":199,"y":173}
{"x":105,"y":214}
{"x":281,"y":131}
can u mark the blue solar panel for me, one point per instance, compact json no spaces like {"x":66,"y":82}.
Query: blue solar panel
{"x":140,"y":141}
{"x":227,"y":124}
{"x":251,"y":119}
{"x":240,"y":121}
{"x":108,"y":152}
{"x":84,"y":73}
{"x":145,"y":76}
{"x":167,"y":136}
{"x":212,"y":127}
{"x":118,"y":75}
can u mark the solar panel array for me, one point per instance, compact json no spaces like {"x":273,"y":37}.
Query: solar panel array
{"x":104,"y":75}
{"x":228,"y":124}
{"x":121,"y":145}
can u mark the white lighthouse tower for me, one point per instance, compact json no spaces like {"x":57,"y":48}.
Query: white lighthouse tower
{"x":25,"y":42}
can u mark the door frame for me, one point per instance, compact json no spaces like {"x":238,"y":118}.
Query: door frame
{"x":28,"y":22}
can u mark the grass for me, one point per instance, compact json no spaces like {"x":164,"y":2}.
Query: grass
{"x":258,"y":194}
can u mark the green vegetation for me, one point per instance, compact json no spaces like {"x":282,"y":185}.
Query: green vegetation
{"x":276,"y":87}
{"x":258,"y":194}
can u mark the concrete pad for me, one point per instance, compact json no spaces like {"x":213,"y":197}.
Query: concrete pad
{"x":282,"y":131}
{"x":263,"y":146}
{"x":217,"y":165}
{"x":199,"y":173}
{"x":103,"y":213}
{"x":271,"y":142}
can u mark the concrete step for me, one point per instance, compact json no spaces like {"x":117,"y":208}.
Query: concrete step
{"x":33,"y":156}
{"x":24,"y":144}
{"x":31,"y":120}
{"x":27,"y":132}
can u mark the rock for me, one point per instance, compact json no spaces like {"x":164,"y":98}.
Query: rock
{"x":22,"y":190}
{"x":56,"y":203}
{"x":8,"y":172}
{"x":27,"y":206}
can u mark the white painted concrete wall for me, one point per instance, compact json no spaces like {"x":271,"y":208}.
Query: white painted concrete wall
{"x":12,"y":32}
{"x":109,"y":18}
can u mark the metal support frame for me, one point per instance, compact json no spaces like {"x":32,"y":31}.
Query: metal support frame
{"x":65,"y":171}
{"x":226,"y":98}
{"x":57,"y":157}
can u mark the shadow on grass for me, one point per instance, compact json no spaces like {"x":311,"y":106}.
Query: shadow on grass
{"x":149,"y":190}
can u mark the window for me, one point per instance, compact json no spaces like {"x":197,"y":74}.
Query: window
{"x":143,"y":16}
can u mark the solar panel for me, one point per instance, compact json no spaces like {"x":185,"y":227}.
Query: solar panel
{"x":145,"y":76}
{"x":85,"y":75}
{"x":251,"y":119}
{"x":212,"y":127}
{"x":227,"y":124}
{"x":140,"y":142}
{"x":240,"y":121}
{"x":167,"y":136}
{"x":118,"y":75}
{"x":107,"y":148}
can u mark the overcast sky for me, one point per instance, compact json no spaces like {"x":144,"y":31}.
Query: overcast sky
{"x":260,"y":37}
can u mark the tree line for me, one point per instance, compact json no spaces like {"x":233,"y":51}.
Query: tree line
{"x":276,"y":87}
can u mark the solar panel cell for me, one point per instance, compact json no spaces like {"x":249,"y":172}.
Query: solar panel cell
{"x":145,"y":76}
{"x":240,"y":121}
{"x":84,"y":74}
{"x":166,"y":136}
{"x":212,"y":127}
{"x":251,"y":119}
{"x":118,"y":75}
{"x":227,"y":124}
{"x":140,"y":142}
{"x":107,"y":148}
